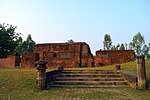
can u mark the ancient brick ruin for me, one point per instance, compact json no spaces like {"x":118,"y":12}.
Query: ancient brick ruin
{"x":69,"y":55}
{"x":107,"y":57}
{"x":10,"y":62}
{"x":65,"y":54}
{"x":28,"y":59}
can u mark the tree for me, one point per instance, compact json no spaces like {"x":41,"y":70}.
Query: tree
{"x":137,"y":43}
{"x":8,"y":38}
{"x":113,"y":47}
{"x":107,"y":42}
{"x":70,"y":41}
{"x":145,"y":50}
{"x":126,"y":46}
{"x":122,"y":47}
{"x":19,"y":49}
{"x":29,"y":44}
{"x":118,"y":46}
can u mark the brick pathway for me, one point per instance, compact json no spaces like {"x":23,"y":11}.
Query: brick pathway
{"x":80,"y":94}
{"x":90,"y":94}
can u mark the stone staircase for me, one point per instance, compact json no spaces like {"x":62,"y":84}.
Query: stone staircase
{"x":89,"y":78}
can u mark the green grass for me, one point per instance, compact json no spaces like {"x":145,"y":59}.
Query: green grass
{"x":19,"y":84}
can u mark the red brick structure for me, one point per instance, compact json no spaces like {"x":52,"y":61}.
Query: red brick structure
{"x":107,"y":57}
{"x":72,"y":55}
{"x":69,"y":55}
{"x":28,"y":59}
{"x":10,"y":62}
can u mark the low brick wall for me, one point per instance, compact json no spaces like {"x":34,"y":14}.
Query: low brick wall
{"x":10,"y":62}
{"x":131,"y":78}
{"x":107,"y":57}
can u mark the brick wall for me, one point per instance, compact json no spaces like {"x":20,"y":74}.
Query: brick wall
{"x":10,"y":62}
{"x":64,"y":54}
{"x":28,"y":59}
{"x":106,"y":57}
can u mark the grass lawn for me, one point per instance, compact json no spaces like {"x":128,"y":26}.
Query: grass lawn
{"x":19,"y":84}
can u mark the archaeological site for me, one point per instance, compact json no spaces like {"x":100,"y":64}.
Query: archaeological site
{"x":68,"y":55}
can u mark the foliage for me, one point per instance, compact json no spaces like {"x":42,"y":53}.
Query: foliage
{"x":145,"y":50}
{"x":29,"y":44}
{"x":24,"y":46}
{"x":126,"y":46}
{"x":107,"y":42}
{"x":10,"y":41}
{"x":118,"y":47}
{"x":19,"y":49}
{"x":137,"y":43}
{"x":148,"y":56}
{"x":70,"y":41}
{"x":8,"y":38}
{"x":122,"y":47}
{"x":113,"y":47}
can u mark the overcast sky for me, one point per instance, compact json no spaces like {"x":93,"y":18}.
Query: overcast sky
{"x":81,"y":20}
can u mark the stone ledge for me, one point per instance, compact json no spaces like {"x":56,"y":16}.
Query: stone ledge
{"x":131,"y":78}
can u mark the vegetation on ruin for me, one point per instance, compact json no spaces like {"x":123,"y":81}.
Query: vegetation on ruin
{"x":21,"y":84}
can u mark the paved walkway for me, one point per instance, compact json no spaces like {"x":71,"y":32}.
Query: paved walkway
{"x":79,"y":94}
{"x":91,"y":94}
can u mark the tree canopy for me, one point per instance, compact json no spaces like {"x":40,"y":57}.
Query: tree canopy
{"x":137,"y":43}
{"x":11,"y":41}
{"x":107,"y":42}
{"x":24,"y":46}
{"x":29,"y":44}
{"x":122,"y":47}
{"x":70,"y":41}
{"x":8,"y":38}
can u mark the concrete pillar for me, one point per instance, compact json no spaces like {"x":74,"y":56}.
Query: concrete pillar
{"x":41,"y":79}
{"x":141,"y":72}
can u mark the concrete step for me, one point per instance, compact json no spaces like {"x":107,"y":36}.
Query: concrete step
{"x":89,"y":72}
{"x":90,"y":75}
{"x":82,"y":78}
{"x":87,"y":79}
{"x":89,"y":83}
{"x":90,"y":86}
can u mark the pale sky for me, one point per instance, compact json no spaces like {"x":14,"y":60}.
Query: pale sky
{"x":81,"y":20}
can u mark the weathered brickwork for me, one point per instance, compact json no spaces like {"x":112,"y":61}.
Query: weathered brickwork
{"x":73,"y":55}
{"x":107,"y":57}
{"x":10,"y":62}
{"x":65,"y":54}
{"x":28,"y":59}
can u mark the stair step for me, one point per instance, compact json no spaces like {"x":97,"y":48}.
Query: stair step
{"x":90,"y":72}
{"x":90,"y":82}
{"x":90,"y":75}
{"x":90,"y":86}
{"x":87,"y":79}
